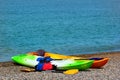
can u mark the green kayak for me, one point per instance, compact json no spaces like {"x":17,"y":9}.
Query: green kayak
{"x":65,"y":64}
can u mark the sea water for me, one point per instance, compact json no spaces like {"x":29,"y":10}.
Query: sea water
{"x":59,"y":26}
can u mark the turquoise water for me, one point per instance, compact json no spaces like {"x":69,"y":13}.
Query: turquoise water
{"x":59,"y":26}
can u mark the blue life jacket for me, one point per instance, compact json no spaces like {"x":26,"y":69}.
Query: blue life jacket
{"x":47,"y":59}
{"x":39,"y":66}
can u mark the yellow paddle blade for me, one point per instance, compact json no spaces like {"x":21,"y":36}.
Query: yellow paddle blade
{"x":71,"y":71}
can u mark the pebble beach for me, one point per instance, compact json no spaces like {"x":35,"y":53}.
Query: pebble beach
{"x":111,"y":71}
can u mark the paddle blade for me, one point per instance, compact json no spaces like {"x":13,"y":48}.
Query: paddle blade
{"x":27,"y":70}
{"x":71,"y":71}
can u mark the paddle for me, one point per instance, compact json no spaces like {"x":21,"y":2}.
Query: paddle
{"x":68,"y":72}
{"x":82,"y":59}
{"x":70,"y":59}
{"x":27,"y":70}
{"x":71,"y":71}
{"x":33,"y":70}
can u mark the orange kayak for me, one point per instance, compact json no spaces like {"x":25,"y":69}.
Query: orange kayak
{"x":99,"y":63}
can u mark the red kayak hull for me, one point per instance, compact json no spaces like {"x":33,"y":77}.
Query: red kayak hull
{"x":99,"y":63}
